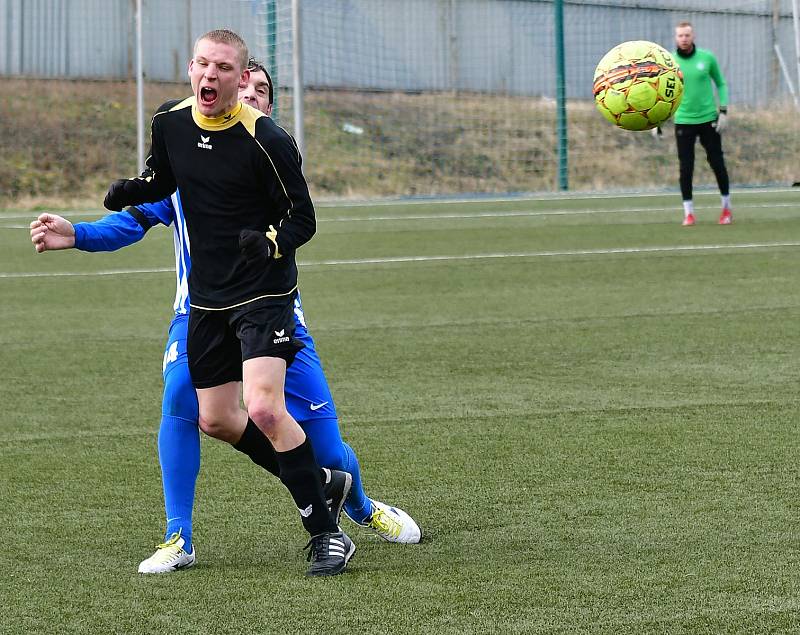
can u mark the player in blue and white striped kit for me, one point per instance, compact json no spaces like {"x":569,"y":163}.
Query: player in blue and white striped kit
{"x":308,"y":396}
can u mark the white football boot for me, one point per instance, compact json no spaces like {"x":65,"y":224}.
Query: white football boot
{"x":392,"y":524}
{"x":169,"y":556}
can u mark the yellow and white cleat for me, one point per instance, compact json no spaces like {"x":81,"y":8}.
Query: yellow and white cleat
{"x":169,"y":556}
{"x":393,"y":524}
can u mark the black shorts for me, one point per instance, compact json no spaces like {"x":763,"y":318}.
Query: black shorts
{"x":219,"y":341}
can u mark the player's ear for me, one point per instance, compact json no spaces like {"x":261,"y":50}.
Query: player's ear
{"x":244,"y":79}
{"x":189,"y":67}
{"x":268,"y":112}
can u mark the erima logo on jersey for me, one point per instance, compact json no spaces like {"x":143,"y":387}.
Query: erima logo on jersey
{"x":280,"y":337}
{"x":305,"y":513}
{"x":204,"y":143}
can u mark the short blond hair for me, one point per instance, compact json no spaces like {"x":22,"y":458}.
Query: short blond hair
{"x":225,"y":36}
{"x":684,"y":23}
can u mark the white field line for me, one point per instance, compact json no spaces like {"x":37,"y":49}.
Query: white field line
{"x":534,"y":213}
{"x":543,"y":197}
{"x":73,"y":274}
{"x":476,"y":214}
{"x":550,"y":254}
{"x":675,"y":249}
{"x":557,"y":197}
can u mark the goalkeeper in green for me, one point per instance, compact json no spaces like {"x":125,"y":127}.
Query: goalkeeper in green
{"x":698,"y":116}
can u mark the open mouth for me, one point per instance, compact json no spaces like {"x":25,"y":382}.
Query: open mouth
{"x":208,"y":95}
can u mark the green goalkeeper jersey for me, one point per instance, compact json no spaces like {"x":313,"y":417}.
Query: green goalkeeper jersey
{"x":698,"y":104}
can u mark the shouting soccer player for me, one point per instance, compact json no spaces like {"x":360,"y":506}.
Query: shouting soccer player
{"x":307,"y":394}
{"x":247,"y":211}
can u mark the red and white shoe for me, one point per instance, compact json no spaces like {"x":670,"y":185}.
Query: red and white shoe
{"x":688,"y":220}
{"x":726,"y":218}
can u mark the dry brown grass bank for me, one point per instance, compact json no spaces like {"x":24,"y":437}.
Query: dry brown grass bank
{"x":61,"y":143}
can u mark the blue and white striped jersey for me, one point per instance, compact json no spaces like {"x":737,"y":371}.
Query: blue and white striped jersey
{"x":120,"y":229}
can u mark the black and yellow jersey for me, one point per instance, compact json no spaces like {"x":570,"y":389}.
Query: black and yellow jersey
{"x":234,"y":172}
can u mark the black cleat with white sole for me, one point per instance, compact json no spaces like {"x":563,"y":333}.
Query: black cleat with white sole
{"x":330,"y":553}
{"x":336,"y":488}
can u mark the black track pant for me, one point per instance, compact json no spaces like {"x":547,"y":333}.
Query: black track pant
{"x":685,"y":135}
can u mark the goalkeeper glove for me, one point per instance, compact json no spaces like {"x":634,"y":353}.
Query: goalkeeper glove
{"x":722,"y":120}
{"x":255,"y":247}
{"x":657,"y":133}
{"x":121,"y":194}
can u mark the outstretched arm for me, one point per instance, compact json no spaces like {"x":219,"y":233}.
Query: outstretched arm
{"x":50,"y":232}
{"x":112,"y":232}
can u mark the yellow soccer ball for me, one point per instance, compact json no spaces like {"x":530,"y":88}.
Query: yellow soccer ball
{"x":638,"y":85}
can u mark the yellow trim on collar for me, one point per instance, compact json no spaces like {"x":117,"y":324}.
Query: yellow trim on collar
{"x":243,"y":113}
{"x":222,"y":122}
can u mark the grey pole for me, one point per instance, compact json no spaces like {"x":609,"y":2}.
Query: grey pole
{"x":139,"y":90}
{"x":297,"y":79}
{"x":796,"y":24}
{"x":561,"y":98}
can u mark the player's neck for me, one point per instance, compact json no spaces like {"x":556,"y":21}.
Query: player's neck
{"x":688,"y":53}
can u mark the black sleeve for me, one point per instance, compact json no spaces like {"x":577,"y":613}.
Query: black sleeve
{"x":156,"y":182}
{"x":299,"y":224}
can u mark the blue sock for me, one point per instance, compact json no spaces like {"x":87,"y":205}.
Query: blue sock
{"x":179,"y":454}
{"x":357,"y":505}
{"x":333,"y":453}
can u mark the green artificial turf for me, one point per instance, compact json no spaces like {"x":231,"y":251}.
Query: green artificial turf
{"x":591,"y":411}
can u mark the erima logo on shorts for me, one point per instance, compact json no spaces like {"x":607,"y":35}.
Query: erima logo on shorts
{"x":204,"y":143}
{"x":280,"y":337}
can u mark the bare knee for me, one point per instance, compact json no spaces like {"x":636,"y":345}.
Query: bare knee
{"x":267,"y":413}
{"x":219,"y":426}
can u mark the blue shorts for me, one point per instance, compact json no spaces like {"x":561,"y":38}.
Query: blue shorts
{"x":308,"y":396}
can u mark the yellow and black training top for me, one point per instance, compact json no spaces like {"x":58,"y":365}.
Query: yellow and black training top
{"x":234,"y":172}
